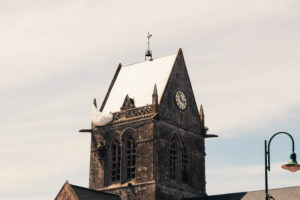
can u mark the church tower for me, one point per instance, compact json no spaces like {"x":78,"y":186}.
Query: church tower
{"x":153,"y":146}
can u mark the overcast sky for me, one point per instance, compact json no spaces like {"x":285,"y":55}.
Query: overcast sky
{"x":56,"y":56}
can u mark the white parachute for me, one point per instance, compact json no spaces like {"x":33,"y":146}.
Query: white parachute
{"x":99,"y":118}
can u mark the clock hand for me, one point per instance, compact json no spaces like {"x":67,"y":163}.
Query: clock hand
{"x":181,"y":98}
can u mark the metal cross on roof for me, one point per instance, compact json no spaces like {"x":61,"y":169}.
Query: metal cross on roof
{"x":148,"y":51}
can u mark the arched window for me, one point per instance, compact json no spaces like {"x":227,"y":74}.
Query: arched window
{"x":185,"y":163}
{"x":173,"y":159}
{"x":130,"y":157}
{"x":115,"y":161}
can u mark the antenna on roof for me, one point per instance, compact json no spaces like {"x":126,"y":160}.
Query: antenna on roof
{"x":148,"y":51}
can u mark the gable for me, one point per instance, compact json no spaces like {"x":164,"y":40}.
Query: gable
{"x":66,"y":192}
{"x":86,"y":193}
{"x":73,"y":192}
{"x":137,"y":81}
{"x":186,"y":117}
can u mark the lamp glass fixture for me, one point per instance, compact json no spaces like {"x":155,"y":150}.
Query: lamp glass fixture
{"x":292,"y":165}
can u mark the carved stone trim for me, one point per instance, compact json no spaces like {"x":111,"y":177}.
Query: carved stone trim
{"x":133,"y":114}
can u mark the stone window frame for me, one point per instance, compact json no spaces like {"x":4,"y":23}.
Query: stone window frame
{"x":174,"y":159}
{"x":186,"y":162}
{"x":110,"y":172}
{"x":129,"y":133}
{"x":130,"y":158}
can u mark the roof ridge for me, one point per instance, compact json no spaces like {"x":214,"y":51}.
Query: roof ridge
{"x":285,"y":187}
{"x":150,"y":61}
{"x":97,"y":191}
{"x":254,"y":191}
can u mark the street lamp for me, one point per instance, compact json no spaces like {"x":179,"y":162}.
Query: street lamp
{"x":292,"y":165}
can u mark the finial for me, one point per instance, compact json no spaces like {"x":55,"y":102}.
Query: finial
{"x":155,"y":99}
{"x":95,"y":102}
{"x":202,"y":114}
{"x":148,"y":51}
{"x":128,"y":103}
{"x":155,"y":90}
{"x":93,"y":127}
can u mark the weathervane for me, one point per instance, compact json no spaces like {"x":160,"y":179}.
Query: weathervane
{"x":148,"y":51}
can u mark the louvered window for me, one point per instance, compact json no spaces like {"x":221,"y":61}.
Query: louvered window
{"x":185,"y":164}
{"x":173,"y":160}
{"x":130,"y":158}
{"x":115,"y":164}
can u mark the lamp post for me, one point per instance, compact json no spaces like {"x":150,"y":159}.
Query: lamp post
{"x":292,"y":165}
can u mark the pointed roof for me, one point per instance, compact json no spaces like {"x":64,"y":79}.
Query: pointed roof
{"x":137,"y":81}
{"x":86,"y":193}
{"x":81,"y":193}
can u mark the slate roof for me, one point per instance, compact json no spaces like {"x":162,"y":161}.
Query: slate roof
{"x":138,"y":82}
{"x":88,"y":194}
{"x":289,"y":193}
{"x":69,"y":191}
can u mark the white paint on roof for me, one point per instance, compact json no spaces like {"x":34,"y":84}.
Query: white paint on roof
{"x":138,"y":81}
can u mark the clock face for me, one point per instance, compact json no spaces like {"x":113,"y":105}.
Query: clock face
{"x":180,"y":99}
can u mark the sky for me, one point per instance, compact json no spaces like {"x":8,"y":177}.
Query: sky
{"x":56,"y":56}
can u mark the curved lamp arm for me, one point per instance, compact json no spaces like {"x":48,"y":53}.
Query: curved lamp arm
{"x":292,"y":165}
{"x":268,"y":151}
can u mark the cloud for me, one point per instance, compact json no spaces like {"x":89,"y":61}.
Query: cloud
{"x":56,"y":56}
{"x":39,"y":162}
{"x":255,"y":100}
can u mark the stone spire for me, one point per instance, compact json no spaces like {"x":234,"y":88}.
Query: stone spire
{"x":155,"y":99}
{"x":202,"y":117}
{"x":93,"y":127}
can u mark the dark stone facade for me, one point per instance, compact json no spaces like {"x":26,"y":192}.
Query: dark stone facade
{"x":154,"y":132}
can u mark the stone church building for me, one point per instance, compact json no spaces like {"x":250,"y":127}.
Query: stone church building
{"x":148,"y":141}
